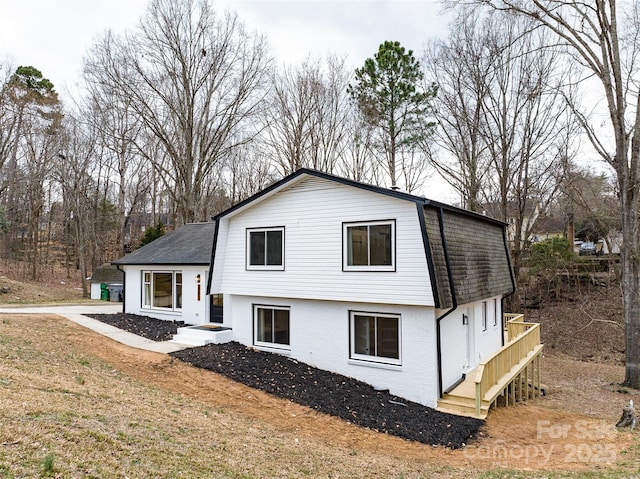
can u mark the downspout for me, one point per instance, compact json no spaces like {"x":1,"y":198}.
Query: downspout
{"x":454,"y":301}
{"x":513,"y":279}
{"x":124,"y":288}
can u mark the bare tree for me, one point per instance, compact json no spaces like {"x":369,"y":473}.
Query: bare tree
{"x":460,"y":67}
{"x":503,"y":118}
{"x":36,"y":116}
{"x":357,"y":162}
{"x":527,"y":128}
{"x":589,"y":200}
{"x":75,"y":175}
{"x":118,"y":128}
{"x":247,"y":171}
{"x":605,"y":42}
{"x":307,"y":117}
{"x":193,"y":80}
{"x":8,"y":116}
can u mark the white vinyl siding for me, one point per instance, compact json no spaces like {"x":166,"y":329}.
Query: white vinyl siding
{"x":313,"y":212}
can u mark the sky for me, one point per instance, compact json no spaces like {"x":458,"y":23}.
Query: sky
{"x":54,"y":35}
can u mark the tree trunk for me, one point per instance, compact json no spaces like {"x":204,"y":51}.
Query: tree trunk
{"x":631,"y":287}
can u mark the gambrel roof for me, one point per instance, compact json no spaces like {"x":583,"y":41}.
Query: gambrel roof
{"x":188,"y":245}
{"x":469,"y":257}
{"x":466,"y":252}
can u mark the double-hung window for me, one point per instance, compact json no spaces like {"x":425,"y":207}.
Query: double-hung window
{"x":162,"y":290}
{"x":375,"y":337}
{"x":369,"y":246}
{"x":265,"y":248}
{"x":271,"y":326}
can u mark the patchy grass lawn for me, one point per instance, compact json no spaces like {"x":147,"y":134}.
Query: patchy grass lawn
{"x":75,"y":404}
{"x":68,"y":413}
{"x":19,"y":292}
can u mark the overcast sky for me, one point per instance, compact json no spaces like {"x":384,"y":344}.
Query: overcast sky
{"x":54,"y":35}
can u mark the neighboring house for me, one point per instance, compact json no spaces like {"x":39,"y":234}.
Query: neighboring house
{"x":548,"y":227}
{"x":104,"y":274}
{"x":166,"y":278}
{"x":393,"y":289}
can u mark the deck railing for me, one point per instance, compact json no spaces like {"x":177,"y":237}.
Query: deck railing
{"x":523,"y":338}
{"x":516,"y":325}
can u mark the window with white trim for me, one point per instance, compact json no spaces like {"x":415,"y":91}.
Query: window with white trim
{"x":271,"y":326}
{"x":375,"y":337}
{"x":495,"y":312}
{"x":162,"y":290}
{"x":265,"y":248}
{"x":369,"y":246}
{"x":484,"y":315}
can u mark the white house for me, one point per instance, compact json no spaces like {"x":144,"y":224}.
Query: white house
{"x":166,"y":278}
{"x":396,"y":290}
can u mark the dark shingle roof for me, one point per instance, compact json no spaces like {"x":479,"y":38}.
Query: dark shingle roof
{"x":107,"y":273}
{"x":469,"y":255}
{"x":187,"y":245}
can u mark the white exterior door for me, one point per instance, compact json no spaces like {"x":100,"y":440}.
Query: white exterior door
{"x":470,"y":338}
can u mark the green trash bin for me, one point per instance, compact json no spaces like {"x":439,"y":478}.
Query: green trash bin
{"x":104,"y":291}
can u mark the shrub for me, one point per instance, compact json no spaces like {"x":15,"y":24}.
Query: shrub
{"x":550,"y":253}
{"x":152,"y":233}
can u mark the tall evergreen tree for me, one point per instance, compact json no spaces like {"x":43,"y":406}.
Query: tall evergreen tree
{"x":390,"y":94}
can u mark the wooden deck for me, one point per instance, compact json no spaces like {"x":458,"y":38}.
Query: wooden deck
{"x":510,"y":375}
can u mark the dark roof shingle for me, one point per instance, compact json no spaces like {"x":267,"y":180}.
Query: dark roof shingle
{"x":187,"y":245}
{"x":478,"y":261}
{"x":107,"y":273}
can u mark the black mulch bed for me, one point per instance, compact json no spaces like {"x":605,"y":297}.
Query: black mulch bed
{"x":324,"y":391}
{"x":150,"y":328}
{"x":333,"y":394}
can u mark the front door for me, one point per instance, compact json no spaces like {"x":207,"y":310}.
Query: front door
{"x":216,"y":309}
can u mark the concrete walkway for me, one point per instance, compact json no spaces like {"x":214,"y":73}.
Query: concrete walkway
{"x":76,"y":313}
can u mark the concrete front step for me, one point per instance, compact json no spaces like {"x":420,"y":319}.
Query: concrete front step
{"x":202,"y":335}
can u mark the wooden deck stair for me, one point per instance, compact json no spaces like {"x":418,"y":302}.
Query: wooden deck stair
{"x":510,"y":375}
{"x":459,"y":405}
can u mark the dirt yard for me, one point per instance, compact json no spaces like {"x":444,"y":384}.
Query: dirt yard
{"x":76,"y":404}
{"x":102,"y":409}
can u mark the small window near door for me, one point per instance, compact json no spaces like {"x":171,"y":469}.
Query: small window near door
{"x":271,"y":327}
{"x":484,"y":315}
{"x":495,"y":312}
{"x":217,"y":299}
{"x":375,"y":337}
